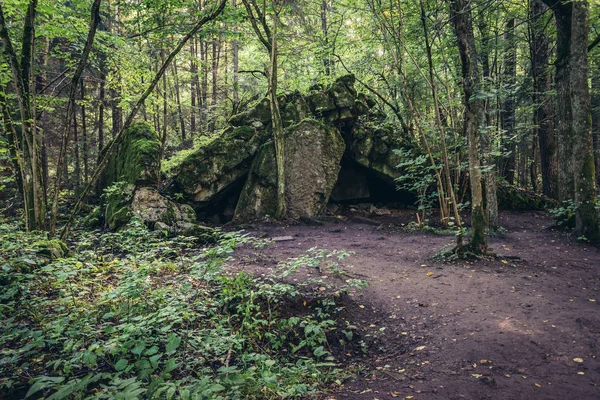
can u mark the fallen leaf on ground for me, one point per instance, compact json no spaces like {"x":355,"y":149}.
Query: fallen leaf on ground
{"x":578,"y":360}
{"x":420,"y":348}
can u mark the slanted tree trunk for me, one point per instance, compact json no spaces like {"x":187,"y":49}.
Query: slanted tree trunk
{"x":463,"y":28}
{"x":447,"y":193}
{"x":135,"y":109}
{"x":71,"y":112}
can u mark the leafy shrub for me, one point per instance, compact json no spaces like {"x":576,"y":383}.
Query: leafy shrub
{"x":133,"y":315}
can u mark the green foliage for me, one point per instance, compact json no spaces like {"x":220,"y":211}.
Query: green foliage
{"x":565,"y":214}
{"x":132,"y":315}
{"x":418,"y":176}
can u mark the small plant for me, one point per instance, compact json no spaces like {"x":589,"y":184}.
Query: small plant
{"x":565,"y":214}
{"x":418,"y":176}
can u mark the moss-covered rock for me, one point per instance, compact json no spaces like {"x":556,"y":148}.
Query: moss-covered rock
{"x":115,"y":203}
{"x":151,"y":207}
{"x":215,"y":167}
{"x":261,"y":112}
{"x":51,"y":249}
{"x":511,"y":197}
{"x":319,"y":125}
{"x":136,"y":159}
{"x":372,"y":147}
{"x":313,"y":152}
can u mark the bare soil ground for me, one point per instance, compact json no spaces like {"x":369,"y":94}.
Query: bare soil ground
{"x":524,"y":325}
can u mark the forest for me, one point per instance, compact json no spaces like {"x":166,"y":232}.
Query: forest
{"x":327,"y":199}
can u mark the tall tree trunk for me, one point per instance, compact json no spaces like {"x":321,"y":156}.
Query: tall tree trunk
{"x":179,"y":109}
{"x":564,"y":118}
{"x":277,"y":125}
{"x":542,"y":115}
{"x":165,"y":110}
{"x":586,"y":215}
{"x":235,"y":49}
{"x":489,"y":176}
{"x":463,"y":27}
{"x":28,"y":139}
{"x":193,"y":92}
{"x":325,"y":33}
{"x":40,"y":85}
{"x":76,"y":151}
{"x":204,"y":86}
{"x":101,"y":101}
{"x":84,"y":136}
{"x":447,"y":192}
{"x":595,"y":103}
{"x":507,"y":112}
{"x":71,"y":112}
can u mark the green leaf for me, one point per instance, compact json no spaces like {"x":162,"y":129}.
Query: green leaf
{"x":43,"y":383}
{"x":173,"y":342}
{"x":121,"y":364}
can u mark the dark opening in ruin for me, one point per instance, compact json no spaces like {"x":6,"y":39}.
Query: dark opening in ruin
{"x":358,"y":184}
{"x":221,"y":208}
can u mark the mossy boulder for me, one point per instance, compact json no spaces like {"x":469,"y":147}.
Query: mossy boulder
{"x":136,"y":159}
{"x":511,"y":197}
{"x":151,"y":207}
{"x":313,"y":152}
{"x":373,"y":148}
{"x":261,"y":113}
{"x":215,"y":167}
{"x":51,"y":249}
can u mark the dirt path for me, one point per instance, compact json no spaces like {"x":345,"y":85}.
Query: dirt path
{"x":522,"y":327}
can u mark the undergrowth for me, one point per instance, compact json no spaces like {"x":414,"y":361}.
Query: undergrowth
{"x":133,"y":315}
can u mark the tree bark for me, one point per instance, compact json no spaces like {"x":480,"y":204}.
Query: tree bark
{"x":84,"y":136}
{"x":564,"y":127}
{"x":27,"y":138}
{"x":463,"y":27}
{"x":71,"y":112}
{"x":507,"y":112}
{"x":235,"y":49}
{"x":542,"y":115}
{"x":179,"y":109}
{"x":193,"y":92}
{"x":447,"y":192}
{"x":586,"y":215}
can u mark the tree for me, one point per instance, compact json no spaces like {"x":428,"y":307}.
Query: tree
{"x":26,"y":140}
{"x":268,"y":37}
{"x":577,"y":173}
{"x":460,"y":13}
{"x":542,"y":116}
